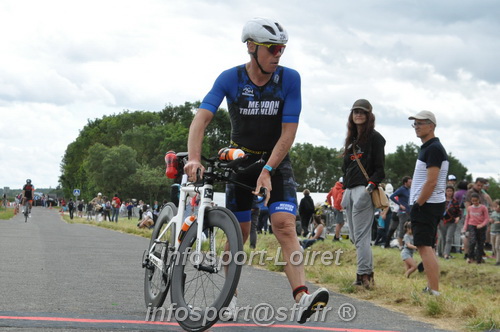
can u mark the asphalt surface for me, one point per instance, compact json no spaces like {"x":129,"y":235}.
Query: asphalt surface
{"x":56,"y":276}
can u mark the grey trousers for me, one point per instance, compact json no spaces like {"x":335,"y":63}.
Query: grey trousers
{"x":359,"y":211}
{"x":446,"y":237}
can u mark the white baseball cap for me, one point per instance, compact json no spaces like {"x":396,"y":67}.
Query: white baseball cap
{"x":424,"y":115}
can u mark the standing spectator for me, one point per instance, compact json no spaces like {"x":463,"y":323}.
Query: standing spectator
{"x":306,"y":211}
{"x":116,"y":203}
{"x":403,"y":196}
{"x":123,"y":209}
{"x":387,"y":217}
{"x":448,"y":223}
{"x":139,"y":207}
{"x":17,"y":202}
{"x":477,"y":188}
{"x":80,"y":206}
{"x":334,"y":199}
{"x":130,"y":207}
{"x":71,"y":208}
{"x":495,"y":231}
{"x":63,"y":205}
{"x":363,"y":148}
{"x":475,"y":227}
{"x":107,"y":210}
{"x":156,"y":210}
{"x":89,"y":210}
{"x":460,"y":194}
{"x":263,"y":216}
{"x":490,"y":207}
{"x":452,"y":180}
{"x":427,"y":195}
{"x":97,"y":206}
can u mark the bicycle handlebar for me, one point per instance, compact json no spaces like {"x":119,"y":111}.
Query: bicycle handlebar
{"x":226,"y":169}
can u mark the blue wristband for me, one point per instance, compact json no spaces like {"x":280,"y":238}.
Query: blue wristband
{"x":269,"y":168}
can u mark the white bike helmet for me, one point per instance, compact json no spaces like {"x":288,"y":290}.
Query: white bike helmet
{"x":264,"y":30}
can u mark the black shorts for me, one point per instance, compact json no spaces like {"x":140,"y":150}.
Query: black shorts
{"x":283,"y":195}
{"x":424,"y":223}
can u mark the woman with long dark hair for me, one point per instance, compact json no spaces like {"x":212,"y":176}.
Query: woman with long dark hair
{"x":366,"y":144}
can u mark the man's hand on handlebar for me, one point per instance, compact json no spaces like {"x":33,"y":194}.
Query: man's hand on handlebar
{"x":264,"y":186}
{"x":193,"y":167}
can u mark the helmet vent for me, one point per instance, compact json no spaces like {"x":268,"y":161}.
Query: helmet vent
{"x":270,"y":29}
{"x":280,"y":28}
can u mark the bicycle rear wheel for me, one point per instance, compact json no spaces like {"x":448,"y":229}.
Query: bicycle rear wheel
{"x":158,"y":264}
{"x":201,"y":291}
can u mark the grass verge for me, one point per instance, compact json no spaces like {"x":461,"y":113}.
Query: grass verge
{"x":6,"y":213}
{"x":470,"y":293}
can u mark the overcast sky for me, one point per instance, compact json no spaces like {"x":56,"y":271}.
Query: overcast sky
{"x":63,"y":62}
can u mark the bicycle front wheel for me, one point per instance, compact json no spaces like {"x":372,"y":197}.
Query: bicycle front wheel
{"x":205,"y":282}
{"x":158,"y":263}
{"x":26,"y":211}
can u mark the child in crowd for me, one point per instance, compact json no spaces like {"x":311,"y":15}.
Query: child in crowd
{"x":495,"y":231}
{"x":89,"y":210}
{"x":408,"y":249}
{"x":475,"y":228}
{"x":130,"y":206}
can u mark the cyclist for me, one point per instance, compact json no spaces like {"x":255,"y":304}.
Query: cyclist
{"x":28,"y":190}
{"x":264,"y":103}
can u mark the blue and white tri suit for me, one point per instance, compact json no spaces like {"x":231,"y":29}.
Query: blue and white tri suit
{"x":257,"y":114}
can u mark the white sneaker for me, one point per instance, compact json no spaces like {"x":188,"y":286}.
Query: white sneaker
{"x":431,"y":291}
{"x":310,"y":303}
{"x":29,"y":215}
{"x":231,"y":313}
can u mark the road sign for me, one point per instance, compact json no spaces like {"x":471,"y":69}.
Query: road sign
{"x":76,"y":192}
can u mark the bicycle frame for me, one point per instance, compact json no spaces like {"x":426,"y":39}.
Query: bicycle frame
{"x":206,"y":194}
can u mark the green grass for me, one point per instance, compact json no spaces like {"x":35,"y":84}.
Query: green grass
{"x":470,"y":293}
{"x":124,"y":225}
{"x":6,"y":214}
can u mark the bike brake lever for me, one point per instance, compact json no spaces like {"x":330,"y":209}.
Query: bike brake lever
{"x":199,"y":179}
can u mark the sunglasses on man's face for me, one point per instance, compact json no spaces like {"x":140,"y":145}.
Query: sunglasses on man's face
{"x":274,"y":49}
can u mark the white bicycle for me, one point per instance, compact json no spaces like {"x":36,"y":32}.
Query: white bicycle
{"x":203,"y":267}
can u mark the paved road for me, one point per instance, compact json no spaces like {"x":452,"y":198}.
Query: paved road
{"x":59,"y":276}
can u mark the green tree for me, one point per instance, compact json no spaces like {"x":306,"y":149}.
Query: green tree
{"x":400,"y":163}
{"x":110,"y":168}
{"x":457,"y":169}
{"x":494,"y":188}
{"x":117,"y":166}
{"x":315,"y":167}
{"x":150,"y":184}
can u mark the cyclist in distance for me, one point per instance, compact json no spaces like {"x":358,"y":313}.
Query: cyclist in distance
{"x":28,"y":190}
{"x":264,"y":103}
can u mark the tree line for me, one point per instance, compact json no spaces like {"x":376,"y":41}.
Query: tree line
{"x":124,"y":153}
